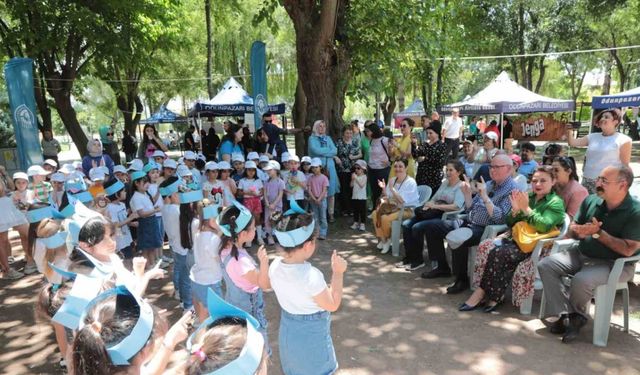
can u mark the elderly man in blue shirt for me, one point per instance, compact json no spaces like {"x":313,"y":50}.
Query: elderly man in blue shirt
{"x":488,"y":207}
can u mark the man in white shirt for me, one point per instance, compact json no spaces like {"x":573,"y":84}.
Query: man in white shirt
{"x":451,"y":133}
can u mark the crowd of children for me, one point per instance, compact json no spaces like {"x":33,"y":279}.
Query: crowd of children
{"x":99,"y":238}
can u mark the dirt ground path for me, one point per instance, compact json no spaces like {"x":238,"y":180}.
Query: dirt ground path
{"x":391,"y":322}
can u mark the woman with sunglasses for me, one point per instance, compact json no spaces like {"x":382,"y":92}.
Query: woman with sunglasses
{"x":109,"y":143}
{"x":402,"y":149}
{"x":608,"y":148}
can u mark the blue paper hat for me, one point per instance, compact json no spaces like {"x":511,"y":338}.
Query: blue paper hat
{"x":56,"y":240}
{"x":210,"y":212}
{"x":81,"y":215}
{"x":137,"y":175}
{"x":68,"y":210}
{"x":83,"y":196}
{"x":121,"y":352}
{"x":250,"y":356}
{"x":173,"y":188}
{"x":34,"y":216}
{"x":191,"y":196}
{"x":84,"y":289}
{"x":150,"y":166}
{"x":75,"y":183}
{"x":243,"y":219}
{"x":294,"y":208}
{"x":295,"y":237}
{"x":114,"y":188}
{"x":64,"y":273}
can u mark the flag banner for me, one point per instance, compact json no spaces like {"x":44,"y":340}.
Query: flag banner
{"x":259,"y":81}
{"x":18,"y":74}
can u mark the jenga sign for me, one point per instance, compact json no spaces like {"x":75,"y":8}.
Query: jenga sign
{"x":539,"y":128}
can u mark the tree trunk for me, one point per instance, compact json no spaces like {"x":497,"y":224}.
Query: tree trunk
{"x":323,"y":64}
{"x":606,"y":84}
{"x":424,"y":97}
{"x":68,"y":116}
{"x":300,"y":118}
{"x":521,"y":48}
{"x":440,"y":84}
{"x":401,"y":96}
{"x":388,"y":106}
{"x":207,"y":12}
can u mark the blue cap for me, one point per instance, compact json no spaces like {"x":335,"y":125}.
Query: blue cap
{"x":121,"y":352}
{"x":137,"y":175}
{"x":210,"y":212}
{"x":114,"y":188}
{"x":34,"y":216}
{"x":83,"y":196}
{"x":243,"y":219}
{"x":295,"y":237}
{"x":150,"y":166}
{"x":191,"y":196}
{"x":250,"y":356}
{"x":173,"y":188}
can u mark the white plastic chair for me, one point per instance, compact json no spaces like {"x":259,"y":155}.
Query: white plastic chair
{"x":424,"y":193}
{"x":604,"y":295}
{"x":526,"y":307}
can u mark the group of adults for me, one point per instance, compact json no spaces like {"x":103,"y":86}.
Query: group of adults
{"x":603,"y":217}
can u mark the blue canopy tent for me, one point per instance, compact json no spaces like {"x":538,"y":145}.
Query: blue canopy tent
{"x":163,"y":116}
{"x":629,"y":98}
{"x":232,"y":100}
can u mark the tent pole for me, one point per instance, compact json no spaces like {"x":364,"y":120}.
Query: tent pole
{"x":198,"y":127}
{"x":501,"y":131}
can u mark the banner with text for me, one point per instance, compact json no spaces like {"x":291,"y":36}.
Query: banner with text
{"x":539,"y":128}
{"x":18,"y":74}
{"x":259,"y":81}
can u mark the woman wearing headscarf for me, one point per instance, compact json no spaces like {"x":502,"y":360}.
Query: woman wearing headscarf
{"x":109,"y":143}
{"x":96,"y":158}
{"x":321,"y":146}
{"x":434,"y":157}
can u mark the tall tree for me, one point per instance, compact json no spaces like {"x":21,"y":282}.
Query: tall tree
{"x":207,"y":15}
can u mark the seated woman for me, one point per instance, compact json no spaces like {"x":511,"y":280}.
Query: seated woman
{"x":543,"y":209}
{"x":448,"y":198}
{"x":401,"y":189}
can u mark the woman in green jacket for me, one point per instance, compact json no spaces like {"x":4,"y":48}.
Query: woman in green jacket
{"x":544,"y":210}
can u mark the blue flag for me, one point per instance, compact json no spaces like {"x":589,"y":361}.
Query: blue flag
{"x":259,"y":81}
{"x":18,"y":74}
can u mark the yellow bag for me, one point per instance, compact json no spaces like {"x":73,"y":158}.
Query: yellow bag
{"x":526,"y":236}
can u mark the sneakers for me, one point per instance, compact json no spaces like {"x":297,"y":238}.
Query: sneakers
{"x":361,"y":227}
{"x":167,"y":259}
{"x":12,"y":274}
{"x":413,"y":267}
{"x":30,"y":268}
{"x":402,"y":264}
{"x":379,"y":245}
{"x":176,"y":295}
{"x":354,"y":226}
{"x":62,"y":364}
{"x":386,"y":246}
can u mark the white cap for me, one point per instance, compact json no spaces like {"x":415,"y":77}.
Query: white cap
{"x":491,"y":135}
{"x":250,"y":164}
{"x":237,"y":157}
{"x":58,"y":177}
{"x":211,"y":166}
{"x":284,"y":157}
{"x":362,"y":164}
{"x":104,"y":170}
{"x":119,"y":169}
{"x":180,"y":160}
{"x":306,"y":159}
{"x":253,"y":156}
{"x":170,"y":163}
{"x":183,"y":170}
{"x":223,"y":165}
{"x":77,"y":165}
{"x":190,"y":155}
{"x":136,"y":165}
{"x":158,"y":154}
{"x":95,"y":174}
{"x":274,"y":165}
{"x":51,"y":162}
{"x":67,"y":168}
{"x":21,"y":175}
{"x":315,"y":162}
{"x":263,"y":159}
{"x":201,"y":156}
{"x":294,"y":158}
{"x":36,"y":170}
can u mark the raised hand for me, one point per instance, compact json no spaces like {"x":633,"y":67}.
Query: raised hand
{"x":465,"y":186}
{"x":338,"y":263}
{"x":263,"y":257}
{"x":382,"y":184}
{"x":481,"y":187}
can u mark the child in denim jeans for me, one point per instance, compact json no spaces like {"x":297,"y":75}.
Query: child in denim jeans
{"x":318,"y":185}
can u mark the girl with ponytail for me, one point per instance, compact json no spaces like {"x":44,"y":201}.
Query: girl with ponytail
{"x":239,"y":269}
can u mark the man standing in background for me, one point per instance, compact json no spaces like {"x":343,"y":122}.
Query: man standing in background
{"x":451,"y":133}
{"x":50,"y":146}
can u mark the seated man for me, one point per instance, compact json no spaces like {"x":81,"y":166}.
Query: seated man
{"x":528,"y":154}
{"x":607,"y":226}
{"x":489,"y":206}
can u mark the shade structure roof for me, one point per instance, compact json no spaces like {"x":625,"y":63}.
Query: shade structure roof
{"x":162,"y":116}
{"x":503,"y":95}
{"x":231,"y":100}
{"x":629,"y":98}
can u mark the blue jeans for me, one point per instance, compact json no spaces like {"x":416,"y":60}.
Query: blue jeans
{"x":320,"y":215}
{"x":305,"y":343}
{"x":181,"y":279}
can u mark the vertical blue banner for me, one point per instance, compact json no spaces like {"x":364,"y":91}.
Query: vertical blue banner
{"x":259,"y":81}
{"x":18,"y":74}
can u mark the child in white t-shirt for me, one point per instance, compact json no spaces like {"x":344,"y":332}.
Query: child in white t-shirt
{"x":304,"y":297}
{"x":153,"y":172}
{"x":359,"y":195}
{"x":295,"y":182}
{"x":117,"y":212}
{"x":252,"y":187}
{"x":149,"y":237}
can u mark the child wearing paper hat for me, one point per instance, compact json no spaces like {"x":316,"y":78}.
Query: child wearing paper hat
{"x":238,"y":227}
{"x":206,"y":272}
{"x":39,"y":186}
{"x":304,"y":297}
{"x":117,"y":212}
{"x":252,"y":192}
{"x":149,"y":236}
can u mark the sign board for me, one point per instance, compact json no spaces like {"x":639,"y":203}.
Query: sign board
{"x":539,"y":128}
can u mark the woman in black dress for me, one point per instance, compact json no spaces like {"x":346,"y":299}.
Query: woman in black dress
{"x":432,"y":157}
